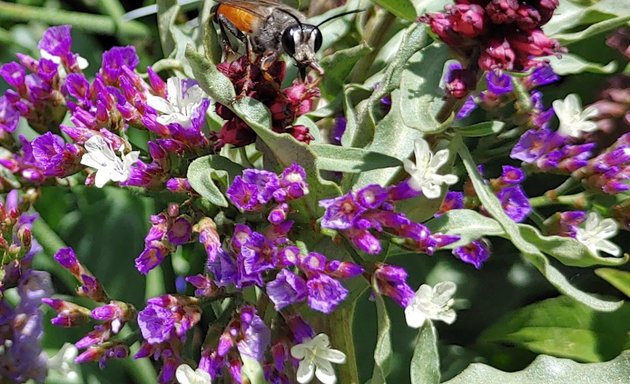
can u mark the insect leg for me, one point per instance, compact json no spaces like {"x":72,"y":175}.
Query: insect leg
{"x":225,"y":23}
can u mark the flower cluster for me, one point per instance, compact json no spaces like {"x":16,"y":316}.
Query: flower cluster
{"x":285,"y":104}
{"x":21,"y":355}
{"x":101,"y":112}
{"x":372,"y":208}
{"x":502,"y":34}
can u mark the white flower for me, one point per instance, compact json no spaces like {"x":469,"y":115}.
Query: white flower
{"x":424,"y":176}
{"x":181,"y":103}
{"x":315,"y":356}
{"x":595,"y":233}
{"x":574,"y":121}
{"x":186,"y":375}
{"x":432,"y":303}
{"x":101,"y":157}
{"x":63,"y":362}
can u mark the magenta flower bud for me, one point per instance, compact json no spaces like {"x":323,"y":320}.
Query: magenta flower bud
{"x":301,"y":133}
{"x":93,"y":353}
{"x":300,"y":329}
{"x":92,"y":289}
{"x":106,"y":312}
{"x":205,"y":286}
{"x":68,"y":314}
{"x":497,"y":55}
{"x":459,"y":81}
{"x":158,"y":85}
{"x":528,"y":17}
{"x":68,"y":260}
{"x":502,"y":11}
{"x":179,"y":185}
{"x":343,"y":269}
{"x":467,"y":19}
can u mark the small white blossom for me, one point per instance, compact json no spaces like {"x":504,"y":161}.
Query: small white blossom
{"x":186,"y":375}
{"x":423,"y":172}
{"x":181,"y":103}
{"x":595,"y":233}
{"x":63,"y":362}
{"x":102,"y":157}
{"x":432,"y":303}
{"x":315,"y":356}
{"x":574,"y":121}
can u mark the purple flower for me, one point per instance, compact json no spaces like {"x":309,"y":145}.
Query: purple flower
{"x":338,"y":130}
{"x":512,"y":175}
{"x":151,"y":257}
{"x":54,"y":156}
{"x":340,"y":212}
{"x":287,"y":288}
{"x":325,"y":293}
{"x":56,"y":40}
{"x":542,"y":75}
{"x":499,"y":83}
{"x":459,"y":81}
{"x":343,"y":269}
{"x":467,"y":108}
{"x":258,"y":254}
{"x":9,"y":116}
{"x":391,"y":281}
{"x":115,"y":59}
{"x":256,"y":336}
{"x":156,"y":323}
{"x":292,"y":183}
{"x":515,"y":203}
{"x":535,"y":143}
{"x":180,"y":231}
{"x":224,"y":269}
{"x":475,"y":253}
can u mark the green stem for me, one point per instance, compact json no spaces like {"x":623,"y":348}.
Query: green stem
{"x":578,"y":200}
{"x":375,"y":37}
{"x":85,"y":21}
{"x":340,"y":331}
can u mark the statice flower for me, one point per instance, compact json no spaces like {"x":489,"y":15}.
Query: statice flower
{"x":573,"y":120}
{"x":508,"y":33}
{"x":315,"y":357}
{"x":475,"y":253}
{"x":424,"y":172}
{"x":459,"y":81}
{"x":391,"y":281}
{"x":432,"y":303}
{"x":609,"y":172}
{"x":564,"y":223}
{"x":357,"y":214}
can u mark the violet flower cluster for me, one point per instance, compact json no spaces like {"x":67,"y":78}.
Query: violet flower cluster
{"x":21,"y":325}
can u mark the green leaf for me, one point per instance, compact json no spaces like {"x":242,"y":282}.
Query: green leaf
{"x":353,"y":160}
{"x":592,"y":30}
{"x":383,"y":350}
{"x":393,"y":138}
{"x":569,"y":64}
{"x":338,"y":66}
{"x":563,"y":327}
{"x":401,"y":8}
{"x":481,"y":129}
{"x":213,"y":82}
{"x":529,"y":251}
{"x":421,"y":95}
{"x":204,"y":171}
{"x":166,"y":16}
{"x":467,"y":224}
{"x":425,"y":363}
{"x":253,"y":370}
{"x":550,"y":370}
{"x":618,"y":279}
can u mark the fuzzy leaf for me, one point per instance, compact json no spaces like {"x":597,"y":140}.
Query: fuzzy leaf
{"x":421,"y":95}
{"x":383,"y":351}
{"x":401,"y":8}
{"x":550,"y":370}
{"x":425,"y":363}
{"x":340,"y":159}
{"x":204,"y":171}
{"x":253,"y":370}
{"x":569,"y":64}
{"x":481,"y":129}
{"x":213,"y":82}
{"x":338,"y":66}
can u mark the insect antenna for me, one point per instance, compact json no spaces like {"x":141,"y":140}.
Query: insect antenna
{"x":339,"y":15}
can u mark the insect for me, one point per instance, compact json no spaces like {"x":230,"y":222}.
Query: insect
{"x":270,"y":28}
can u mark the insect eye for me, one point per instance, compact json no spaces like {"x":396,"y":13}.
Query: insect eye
{"x":288,"y":42}
{"x":318,"y":39}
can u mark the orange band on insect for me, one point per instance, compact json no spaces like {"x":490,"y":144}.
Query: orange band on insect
{"x":243,"y":20}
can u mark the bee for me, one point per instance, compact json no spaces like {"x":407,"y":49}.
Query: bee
{"x":269,"y":28}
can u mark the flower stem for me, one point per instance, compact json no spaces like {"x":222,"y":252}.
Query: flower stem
{"x":578,"y":200}
{"x":85,"y":21}
{"x":340,"y":331}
